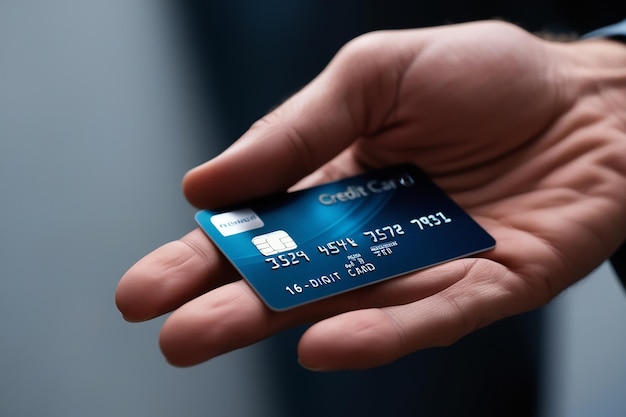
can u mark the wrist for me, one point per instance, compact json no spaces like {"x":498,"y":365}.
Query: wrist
{"x":600,"y":53}
{"x":612,"y":36}
{"x":594,"y":70}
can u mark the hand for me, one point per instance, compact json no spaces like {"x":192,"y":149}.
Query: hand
{"x":528,"y":135}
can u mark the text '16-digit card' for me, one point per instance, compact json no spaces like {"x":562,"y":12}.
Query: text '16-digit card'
{"x":295,"y":248}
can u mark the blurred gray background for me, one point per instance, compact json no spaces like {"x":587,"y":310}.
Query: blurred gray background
{"x":100,"y":116}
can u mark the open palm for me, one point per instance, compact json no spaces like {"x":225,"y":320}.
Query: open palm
{"x":514,"y":128}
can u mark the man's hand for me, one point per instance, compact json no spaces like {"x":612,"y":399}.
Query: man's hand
{"x":529,"y":136}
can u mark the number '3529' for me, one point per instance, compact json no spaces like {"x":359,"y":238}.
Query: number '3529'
{"x":287,"y":259}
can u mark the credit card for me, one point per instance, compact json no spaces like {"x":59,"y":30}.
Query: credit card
{"x":296,"y":248}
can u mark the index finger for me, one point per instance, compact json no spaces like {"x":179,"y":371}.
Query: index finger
{"x":172,"y":275}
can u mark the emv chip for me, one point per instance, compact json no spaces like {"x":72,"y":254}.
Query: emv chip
{"x":350,"y":233}
{"x":273,"y":243}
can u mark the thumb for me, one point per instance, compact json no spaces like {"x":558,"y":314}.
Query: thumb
{"x":303,"y":133}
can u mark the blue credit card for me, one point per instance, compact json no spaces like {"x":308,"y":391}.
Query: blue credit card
{"x":295,"y":248}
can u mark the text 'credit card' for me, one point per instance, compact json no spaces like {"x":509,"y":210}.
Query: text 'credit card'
{"x":296,"y":248}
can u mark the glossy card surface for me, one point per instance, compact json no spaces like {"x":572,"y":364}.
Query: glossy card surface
{"x":295,"y":248}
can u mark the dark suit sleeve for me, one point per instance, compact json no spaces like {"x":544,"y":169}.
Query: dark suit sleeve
{"x":616,"y":32}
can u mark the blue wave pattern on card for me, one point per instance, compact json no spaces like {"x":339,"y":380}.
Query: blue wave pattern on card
{"x":295,"y":248}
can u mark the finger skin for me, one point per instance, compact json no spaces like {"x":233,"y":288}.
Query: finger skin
{"x":170,"y":276}
{"x":377,"y":336}
{"x":233,"y":316}
{"x":274,"y":153}
{"x":226,"y":319}
{"x":306,"y":131}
